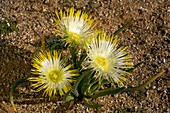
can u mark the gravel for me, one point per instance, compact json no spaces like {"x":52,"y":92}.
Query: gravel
{"x":147,"y":39}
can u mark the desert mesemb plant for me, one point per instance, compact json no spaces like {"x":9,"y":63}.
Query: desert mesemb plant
{"x":94,"y":59}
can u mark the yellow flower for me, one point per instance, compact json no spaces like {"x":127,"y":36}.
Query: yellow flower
{"x":106,"y":59}
{"x":75,"y":27}
{"x":54,"y":75}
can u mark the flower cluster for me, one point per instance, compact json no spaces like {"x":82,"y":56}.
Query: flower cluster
{"x":103,"y":57}
{"x":93,"y":59}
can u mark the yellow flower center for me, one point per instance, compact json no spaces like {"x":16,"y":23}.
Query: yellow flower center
{"x":75,"y":36}
{"x":102,"y":62}
{"x":55,"y":76}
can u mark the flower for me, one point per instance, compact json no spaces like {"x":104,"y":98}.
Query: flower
{"x":76,"y":27}
{"x":54,"y":75}
{"x":106,"y":59}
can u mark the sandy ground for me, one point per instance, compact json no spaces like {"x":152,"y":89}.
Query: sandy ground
{"x":148,"y":39}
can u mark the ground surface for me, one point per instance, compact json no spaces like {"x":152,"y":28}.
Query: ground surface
{"x":148,"y":38}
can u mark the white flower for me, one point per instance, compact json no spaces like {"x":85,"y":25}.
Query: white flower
{"x":75,"y":27}
{"x":106,"y":59}
{"x":54,"y":75}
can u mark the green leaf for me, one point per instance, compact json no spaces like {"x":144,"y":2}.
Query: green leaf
{"x":123,"y":27}
{"x":56,"y":43}
{"x":70,"y":105}
{"x":36,"y":51}
{"x":92,"y":85}
{"x":69,"y":98}
{"x":93,"y":88}
{"x":85,"y":84}
{"x":73,"y":52}
{"x":83,"y":56}
{"x":75,"y":86}
{"x":43,"y":46}
{"x":91,"y":105}
{"x":151,"y":79}
{"x":123,"y":89}
{"x":108,"y":91}
{"x":13,"y":87}
{"x":104,"y":82}
{"x":134,"y":67}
